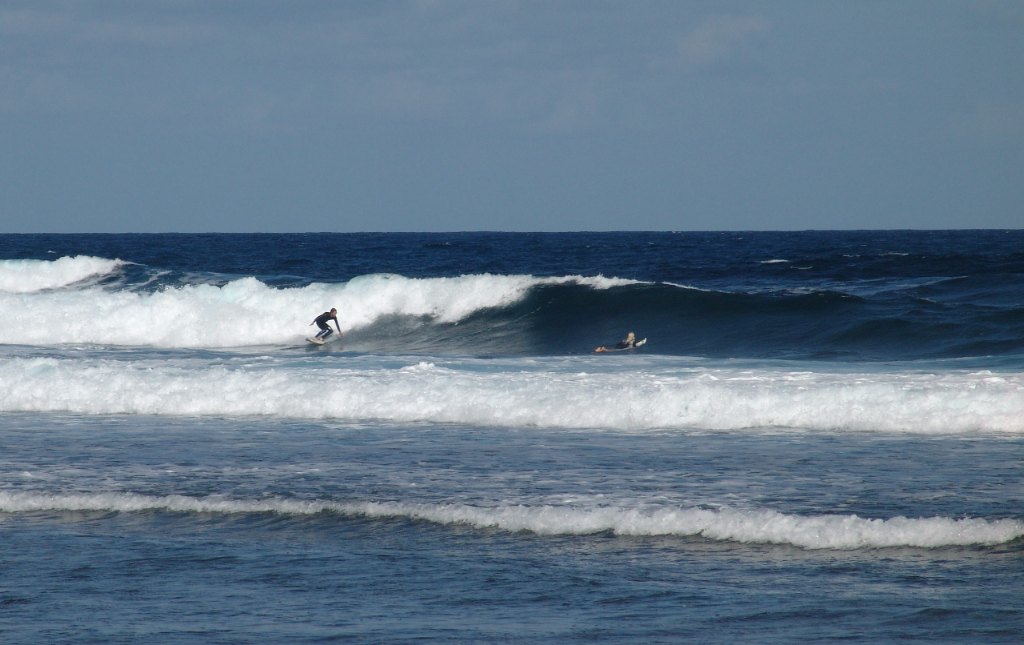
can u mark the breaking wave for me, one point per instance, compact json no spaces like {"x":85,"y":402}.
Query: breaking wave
{"x":28,"y":276}
{"x":724,"y":524}
{"x":67,"y":301}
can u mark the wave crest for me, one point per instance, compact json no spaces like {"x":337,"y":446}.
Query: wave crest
{"x":28,"y":276}
{"x":725,"y":524}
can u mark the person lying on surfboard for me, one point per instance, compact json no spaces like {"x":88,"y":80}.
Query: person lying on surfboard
{"x":628,"y":342}
{"x":321,"y":322}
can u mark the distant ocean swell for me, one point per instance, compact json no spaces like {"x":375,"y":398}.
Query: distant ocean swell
{"x":723,"y":524}
{"x":86,"y":300}
{"x":552,"y":393}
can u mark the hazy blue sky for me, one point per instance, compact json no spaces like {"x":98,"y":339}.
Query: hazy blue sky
{"x":435,"y":115}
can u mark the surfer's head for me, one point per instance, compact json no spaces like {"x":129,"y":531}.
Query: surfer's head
{"x":333,"y":310}
{"x":630,"y":336}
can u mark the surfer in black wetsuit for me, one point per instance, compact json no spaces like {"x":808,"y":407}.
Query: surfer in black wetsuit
{"x":626,"y":343}
{"x":321,"y":322}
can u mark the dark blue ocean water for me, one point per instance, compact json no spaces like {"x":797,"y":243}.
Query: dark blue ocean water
{"x":823,"y":438}
{"x":899,"y":295}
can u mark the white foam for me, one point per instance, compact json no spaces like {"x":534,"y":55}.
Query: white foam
{"x":448,"y":300}
{"x":248,"y":312}
{"x":688,"y":287}
{"x":726,"y":524}
{"x":27,"y":276}
{"x":509,"y":395}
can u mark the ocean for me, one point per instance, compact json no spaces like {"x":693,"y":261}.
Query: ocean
{"x":821,"y":440}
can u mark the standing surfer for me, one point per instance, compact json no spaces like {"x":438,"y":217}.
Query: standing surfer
{"x":321,"y":322}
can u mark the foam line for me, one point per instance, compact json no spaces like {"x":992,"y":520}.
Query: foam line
{"x":733,"y":400}
{"x":726,"y":524}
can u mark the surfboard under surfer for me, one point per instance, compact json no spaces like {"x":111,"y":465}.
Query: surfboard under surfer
{"x":321,"y":322}
{"x":628,"y":342}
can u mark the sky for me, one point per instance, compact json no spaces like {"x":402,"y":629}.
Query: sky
{"x":464,"y":115}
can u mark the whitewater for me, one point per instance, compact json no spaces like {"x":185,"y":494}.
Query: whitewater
{"x":555,"y":392}
{"x":241,"y":312}
{"x":546,"y":393}
{"x":818,"y":421}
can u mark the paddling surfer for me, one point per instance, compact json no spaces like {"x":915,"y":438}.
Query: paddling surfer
{"x":629,"y":342}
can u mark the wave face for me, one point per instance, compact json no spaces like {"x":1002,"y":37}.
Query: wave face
{"x":697,"y":295}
